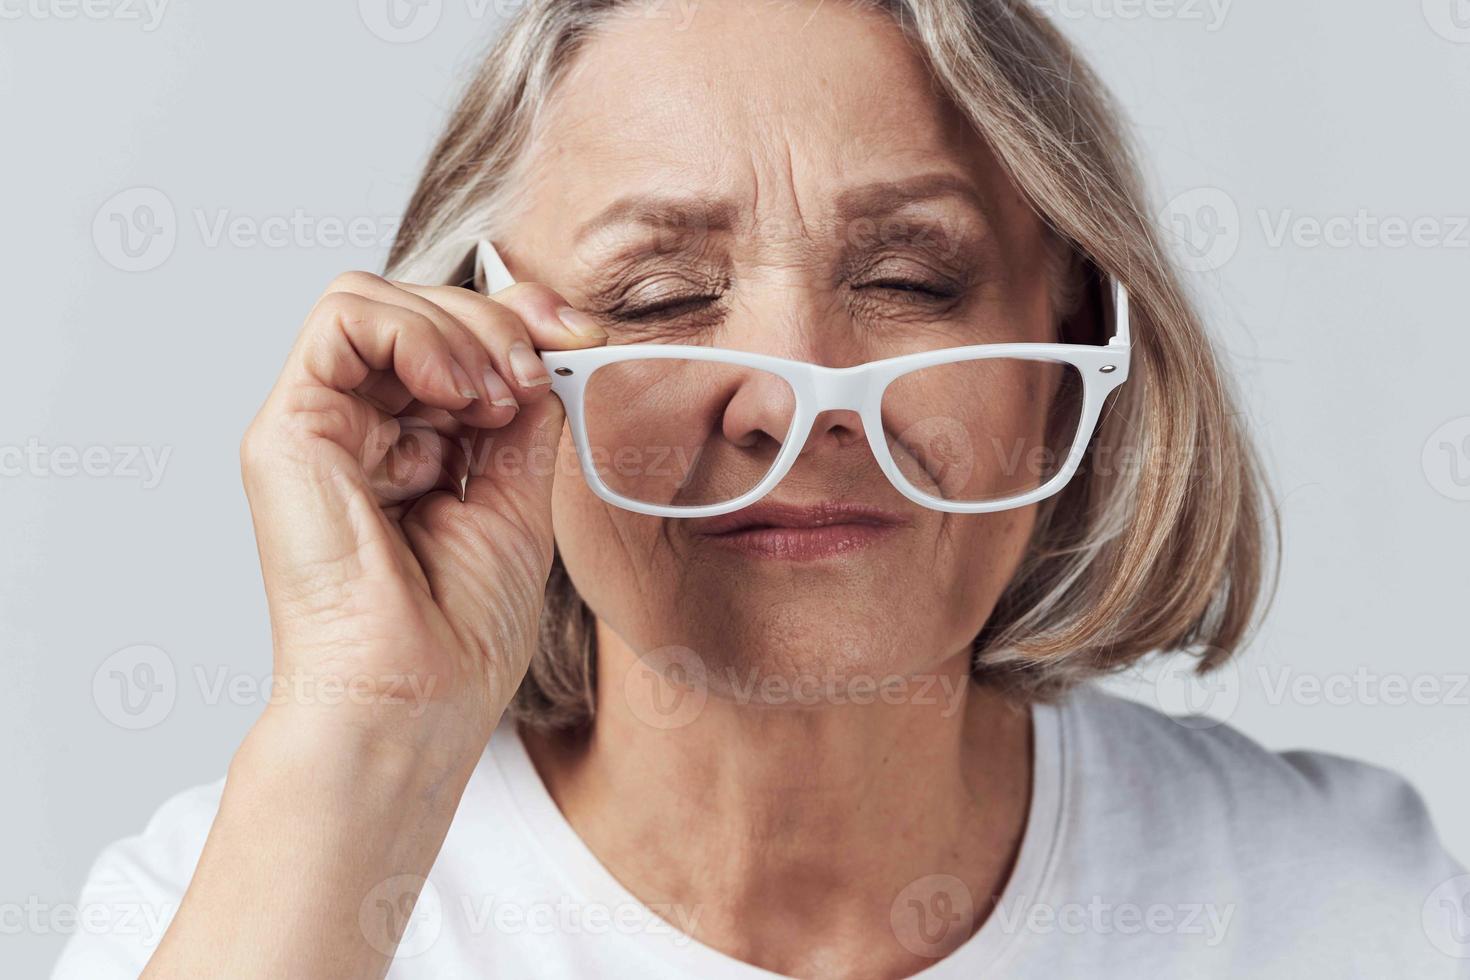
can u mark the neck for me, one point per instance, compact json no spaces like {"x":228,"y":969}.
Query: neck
{"x":795,"y":834}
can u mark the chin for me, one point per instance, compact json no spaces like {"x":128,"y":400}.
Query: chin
{"x":805,"y":652}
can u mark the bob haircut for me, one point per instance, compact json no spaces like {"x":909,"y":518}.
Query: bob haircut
{"x":1163,"y":539}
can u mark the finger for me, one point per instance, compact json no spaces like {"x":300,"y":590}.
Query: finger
{"x":532,"y":317}
{"x":496,"y":403}
{"x":502,"y":333}
{"x":445,"y":423}
{"x":348,"y":336}
{"x":513,"y":469}
{"x":384,"y":391}
{"x":465,"y":546}
{"x":550,"y":322}
{"x":411,"y":464}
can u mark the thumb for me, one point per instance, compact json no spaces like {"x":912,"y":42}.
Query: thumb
{"x":511,"y":470}
{"x":487,"y":557}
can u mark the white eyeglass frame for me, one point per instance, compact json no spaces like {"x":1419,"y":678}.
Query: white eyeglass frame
{"x":819,"y":389}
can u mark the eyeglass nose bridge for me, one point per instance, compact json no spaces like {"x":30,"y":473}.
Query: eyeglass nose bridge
{"x":838,"y":389}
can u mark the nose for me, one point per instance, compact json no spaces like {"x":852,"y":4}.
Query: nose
{"x":763,"y":406}
{"x":833,"y":430}
{"x":761,"y":410}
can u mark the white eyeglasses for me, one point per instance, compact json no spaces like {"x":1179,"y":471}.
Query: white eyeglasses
{"x":686,"y":431}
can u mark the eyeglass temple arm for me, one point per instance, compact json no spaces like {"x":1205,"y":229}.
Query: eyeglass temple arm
{"x":491,"y":276}
{"x":1122,"y":337}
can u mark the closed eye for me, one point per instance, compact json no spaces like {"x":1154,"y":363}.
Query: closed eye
{"x":664,"y":309}
{"x":913,"y":288}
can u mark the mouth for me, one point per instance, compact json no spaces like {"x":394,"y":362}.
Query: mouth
{"x":799,"y":532}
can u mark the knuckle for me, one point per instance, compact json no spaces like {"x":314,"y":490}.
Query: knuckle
{"x":496,"y":318}
{"x":509,"y":330}
{"x":264,"y":442}
{"x":535,"y":293}
{"x":338,"y":307}
{"x":420,"y":333}
{"x":356,"y":281}
{"x":250,"y":448}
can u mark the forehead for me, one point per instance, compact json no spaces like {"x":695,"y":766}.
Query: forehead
{"x":785,"y":102}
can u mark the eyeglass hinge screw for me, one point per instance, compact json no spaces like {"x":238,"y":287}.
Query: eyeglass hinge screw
{"x":563,"y":371}
{"x":1109,"y":368}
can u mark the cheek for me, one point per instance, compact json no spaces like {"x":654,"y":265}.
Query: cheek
{"x":610,"y":554}
{"x":578,"y":516}
{"x":987,"y":551}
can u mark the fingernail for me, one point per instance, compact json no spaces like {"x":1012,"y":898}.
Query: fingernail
{"x":580,"y":323}
{"x":498,"y":390}
{"x":527,"y":367}
{"x":462,"y":382}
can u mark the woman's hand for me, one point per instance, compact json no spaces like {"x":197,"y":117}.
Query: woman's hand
{"x":403,"y":614}
{"x":396,"y":605}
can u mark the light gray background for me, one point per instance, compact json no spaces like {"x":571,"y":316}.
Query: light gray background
{"x":1351,"y":355}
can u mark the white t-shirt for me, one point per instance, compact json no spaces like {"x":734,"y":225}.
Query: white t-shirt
{"x":1152,"y":849}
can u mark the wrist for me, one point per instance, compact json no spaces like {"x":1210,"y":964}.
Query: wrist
{"x":351,"y":756}
{"x":321,"y":809}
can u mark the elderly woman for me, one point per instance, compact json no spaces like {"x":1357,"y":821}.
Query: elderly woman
{"x":772,"y":416}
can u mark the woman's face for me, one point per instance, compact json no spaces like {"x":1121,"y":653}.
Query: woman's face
{"x":782,"y":179}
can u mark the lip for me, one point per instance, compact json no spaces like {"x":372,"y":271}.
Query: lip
{"x":799,"y":532}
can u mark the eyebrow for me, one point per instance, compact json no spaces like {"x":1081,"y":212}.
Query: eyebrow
{"x":667,"y":212}
{"x":694,"y":214}
{"x":886,"y":197}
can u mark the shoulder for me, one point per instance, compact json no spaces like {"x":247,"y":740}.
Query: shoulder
{"x":1309,"y":840}
{"x":135,"y":885}
{"x":1212,"y":771}
{"x":1313,"y":803}
{"x":134,"y":888}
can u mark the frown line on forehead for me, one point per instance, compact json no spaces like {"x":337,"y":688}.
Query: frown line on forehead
{"x":695,"y":214}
